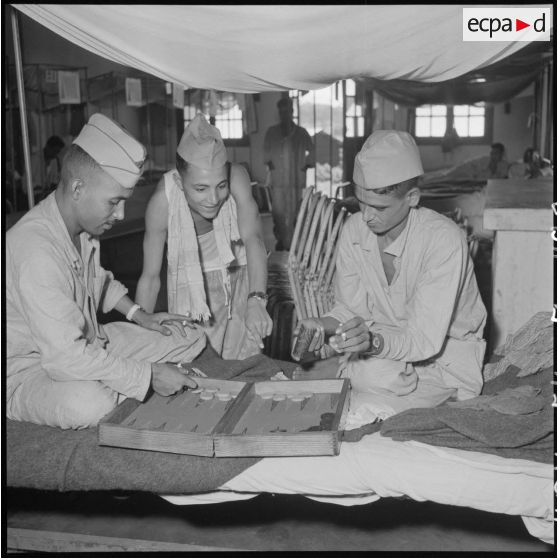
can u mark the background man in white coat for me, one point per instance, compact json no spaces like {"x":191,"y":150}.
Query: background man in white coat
{"x":288,"y":153}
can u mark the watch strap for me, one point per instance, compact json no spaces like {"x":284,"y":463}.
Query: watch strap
{"x":259,"y":295}
{"x":376,"y":345}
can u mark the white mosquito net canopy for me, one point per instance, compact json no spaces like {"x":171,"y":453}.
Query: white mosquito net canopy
{"x":249,"y":49}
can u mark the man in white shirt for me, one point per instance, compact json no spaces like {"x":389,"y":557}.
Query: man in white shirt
{"x":288,"y":153}
{"x":408,"y":311}
{"x":64,"y":368}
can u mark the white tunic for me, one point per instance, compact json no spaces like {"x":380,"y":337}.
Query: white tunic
{"x":55,"y":345}
{"x":431,"y":315}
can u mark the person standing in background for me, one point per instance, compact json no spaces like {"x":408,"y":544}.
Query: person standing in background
{"x":51,"y":154}
{"x":498,"y":164}
{"x":288,"y":153}
{"x":47,"y":183}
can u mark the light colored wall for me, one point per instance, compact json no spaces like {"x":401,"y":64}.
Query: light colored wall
{"x":266,"y":111}
{"x":433,"y":158}
{"x":513,"y":129}
{"x":510,"y":128}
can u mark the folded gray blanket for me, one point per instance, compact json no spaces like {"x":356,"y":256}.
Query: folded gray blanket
{"x":47,"y":458}
{"x":513,"y":418}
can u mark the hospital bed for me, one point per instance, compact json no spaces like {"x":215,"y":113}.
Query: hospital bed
{"x":370,"y":466}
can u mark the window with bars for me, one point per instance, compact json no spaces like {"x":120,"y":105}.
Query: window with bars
{"x":228,"y":117}
{"x":472,"y":123}
{"x":330,"y":115}
{"x":469,"y":120}
{"x":430,"y":121}
{"x":354,"y":104}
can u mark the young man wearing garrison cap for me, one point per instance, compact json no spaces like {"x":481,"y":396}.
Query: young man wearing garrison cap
{"x":217,"y":263}
{"x":64,"y":368}
{"x":408,"y":313}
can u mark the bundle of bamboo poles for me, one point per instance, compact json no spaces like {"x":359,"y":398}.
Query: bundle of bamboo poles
{"x":313,"y":252}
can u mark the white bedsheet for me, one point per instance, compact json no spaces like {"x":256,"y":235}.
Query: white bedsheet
{"x":377,"y":467}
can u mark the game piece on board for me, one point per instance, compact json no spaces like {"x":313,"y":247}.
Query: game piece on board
{"x":279,"y":397}
{"x":206,"y":395}
{"x":266,"y":395}
{"x":223,"y":396}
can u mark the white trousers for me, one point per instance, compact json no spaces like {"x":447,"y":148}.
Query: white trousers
{"x":82,"y":403}
{"x":379,"y":467}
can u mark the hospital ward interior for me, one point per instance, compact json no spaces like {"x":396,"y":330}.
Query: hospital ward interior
{"x":341,"y":337}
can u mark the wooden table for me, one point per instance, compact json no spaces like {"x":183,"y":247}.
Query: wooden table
{"x":520,"y":213}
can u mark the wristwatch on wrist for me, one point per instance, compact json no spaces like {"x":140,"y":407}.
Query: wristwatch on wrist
{"x":376,"y":345}
{"x":260,"y":295}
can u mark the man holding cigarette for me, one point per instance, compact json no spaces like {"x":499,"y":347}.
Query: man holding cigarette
{"x":408,"y":311}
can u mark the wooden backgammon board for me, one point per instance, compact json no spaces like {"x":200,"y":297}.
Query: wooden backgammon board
{"x":224,"y":418}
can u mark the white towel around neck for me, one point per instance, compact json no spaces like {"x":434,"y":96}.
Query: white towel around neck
{"x":185,"y":285}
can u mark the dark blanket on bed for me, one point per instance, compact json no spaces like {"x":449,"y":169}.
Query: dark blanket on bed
{"x":49,"y":458}
{"x":512,"y":418}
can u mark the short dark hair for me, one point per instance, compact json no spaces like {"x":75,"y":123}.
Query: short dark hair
{"x":528,"y":155}
{"x":499,"y":146}
{"x":181,"y":164}
{"x":400,"y":189}
{"x":55,"y":142}
{"x":76,"y":164}
{"x":285,"y":102}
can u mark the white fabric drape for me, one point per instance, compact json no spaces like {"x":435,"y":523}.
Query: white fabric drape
{"x":255,"y":48}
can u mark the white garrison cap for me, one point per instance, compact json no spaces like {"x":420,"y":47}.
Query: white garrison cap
{"x":201,"y":145}
{"x":115,"y":150}
{"x":387,"y":157}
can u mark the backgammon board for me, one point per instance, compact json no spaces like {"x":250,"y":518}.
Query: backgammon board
{"x":230,"y":418}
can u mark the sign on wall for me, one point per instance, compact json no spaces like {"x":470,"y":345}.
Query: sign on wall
{"x":177,"y":96}
{"x":51,"y":76}
{"x":134,"y":96}
{"x":68,"y":88}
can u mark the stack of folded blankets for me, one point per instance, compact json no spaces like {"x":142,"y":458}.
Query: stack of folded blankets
{"x":514,"y":415}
